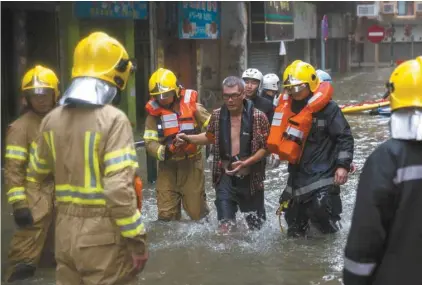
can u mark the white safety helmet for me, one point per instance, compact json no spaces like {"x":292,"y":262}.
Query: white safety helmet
{"x":323,"y":76}
{"x":253,"y":73}
{"x":270,"y":82}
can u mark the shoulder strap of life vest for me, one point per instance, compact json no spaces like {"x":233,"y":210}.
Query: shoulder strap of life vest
{"x":321,"y":97}
{"x":189,"y":97}
{"x":283,"y":107}
{"x":296,"y":131}
{"x":153,"y":108}
{"x":246,"y":131}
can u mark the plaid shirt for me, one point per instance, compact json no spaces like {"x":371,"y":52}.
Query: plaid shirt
{"x":260,"y":132}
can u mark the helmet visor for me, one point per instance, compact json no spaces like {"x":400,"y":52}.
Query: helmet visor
{"x":161,"y":90}
{"x":295,"y":89}
{"x":166,"y":95}
{"x":292,"y":81}
{"x":38,"y":91}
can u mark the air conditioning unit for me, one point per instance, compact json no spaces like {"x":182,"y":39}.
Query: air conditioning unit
{"x":388,"y":8}
{"x":418,"y":7}
{"x":367,"y":10}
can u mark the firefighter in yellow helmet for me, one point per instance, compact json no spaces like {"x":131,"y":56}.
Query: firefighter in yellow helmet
{"x":40,"y":91}
{"x":320,"y":165}
{"x":384,"y":245}
{"x":173,"y":109}
{"x":88,"y":144}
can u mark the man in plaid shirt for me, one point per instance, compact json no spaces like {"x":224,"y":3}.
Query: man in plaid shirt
{"x":239,"y":133}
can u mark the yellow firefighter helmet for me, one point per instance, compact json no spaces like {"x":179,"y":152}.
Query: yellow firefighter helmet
{"x":103,"y":57}
{"x":162,"y":81}
{"x":299,"y":72}
{"x":40,"y":80}
{"x":405,"y":85}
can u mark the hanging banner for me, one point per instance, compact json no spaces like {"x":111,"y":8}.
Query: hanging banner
{"x":199,"y":20}
{"x":324,"y":27}
{"x":111,"y":9}
{"x":271,"y":21}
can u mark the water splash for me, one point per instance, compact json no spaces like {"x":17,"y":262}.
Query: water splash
{"x":192,"y":253}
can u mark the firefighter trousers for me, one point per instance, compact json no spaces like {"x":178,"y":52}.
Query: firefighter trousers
{"x":28,"y":245}
{"x":181,"y":182}
{"x":90,"y":249}
{"x":323,"y":210}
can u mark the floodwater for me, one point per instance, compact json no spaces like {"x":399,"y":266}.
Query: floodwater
{"x":187,"y":253}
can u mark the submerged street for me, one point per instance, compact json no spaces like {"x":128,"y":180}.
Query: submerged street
{"x":187,"y":253}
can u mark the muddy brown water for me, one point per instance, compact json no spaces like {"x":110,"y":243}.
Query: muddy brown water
{"x":187,"y":253}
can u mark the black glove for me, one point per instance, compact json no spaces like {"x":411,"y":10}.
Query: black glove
{"x":285,"y":196}
{"x":167,"y":153}
{"x":284,"y":201}
{"x":23,"y":217}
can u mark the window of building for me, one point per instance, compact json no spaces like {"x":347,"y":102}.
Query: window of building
{"x":405,"y":8}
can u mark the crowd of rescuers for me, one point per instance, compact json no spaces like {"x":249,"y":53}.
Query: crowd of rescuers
{"x":45,"y":179}
{"x":75,"y":164}
{"x":256,"y":127}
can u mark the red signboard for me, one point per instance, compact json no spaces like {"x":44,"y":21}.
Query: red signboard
{"x":376,"y":34}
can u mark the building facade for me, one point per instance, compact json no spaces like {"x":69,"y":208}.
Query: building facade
{"x":402,"y":21}
{"x":201,"y":41}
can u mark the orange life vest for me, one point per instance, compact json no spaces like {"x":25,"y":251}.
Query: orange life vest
{"x":138,"y":190}
{"x":289,"y":131}
{"x":174,"y":123}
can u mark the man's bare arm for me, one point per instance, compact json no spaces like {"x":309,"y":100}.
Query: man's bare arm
{"x":259,"y":155}
{"x":200,"y":139}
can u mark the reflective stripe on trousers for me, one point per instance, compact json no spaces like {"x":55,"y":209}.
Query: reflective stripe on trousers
{"x":311,"y":187}
{"x":408,"y":173}
{"x":358,"y":268}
